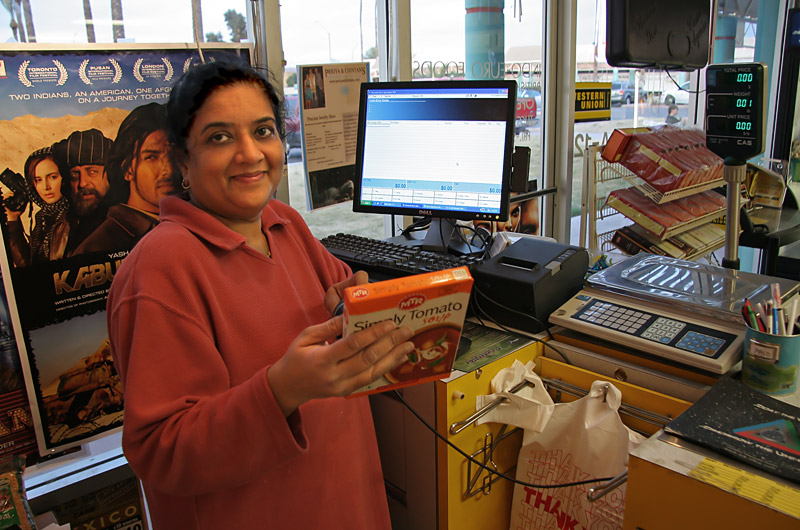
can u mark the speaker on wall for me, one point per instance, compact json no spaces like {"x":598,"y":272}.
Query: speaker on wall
{"x":672,"y":34}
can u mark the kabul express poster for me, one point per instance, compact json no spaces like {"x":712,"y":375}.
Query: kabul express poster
{"x":57,"y":305}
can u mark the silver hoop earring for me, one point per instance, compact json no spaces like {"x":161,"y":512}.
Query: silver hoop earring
{"x":185,"y":184}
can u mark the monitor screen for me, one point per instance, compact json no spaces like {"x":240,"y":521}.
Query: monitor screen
{"x":439,"y":149}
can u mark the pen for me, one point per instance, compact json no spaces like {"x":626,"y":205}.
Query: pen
{"x":751,"y":316}
{"x":792,"y":316}
{"x":755,"y":322}
{"x":746,"y":316}
{"x":775,"y":327}
{"x":760,"y":309}
{"x":776,"y":295}
{"x":773,"y":321}
{"x":781,"y":322}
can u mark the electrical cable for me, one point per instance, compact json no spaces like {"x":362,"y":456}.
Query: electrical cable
{"x":419,"y":224}
{"x":666,"y":71}
{"x":512,"y":310}
{"x":489,"y":469}
{"x":483,"y":234}
{"x":507,"y":330}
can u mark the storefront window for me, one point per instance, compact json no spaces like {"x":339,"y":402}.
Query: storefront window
{"x":143,"y":21}
{"x":319,"y":32}
{"x":454,"y":39}
{"x":639,"y":98}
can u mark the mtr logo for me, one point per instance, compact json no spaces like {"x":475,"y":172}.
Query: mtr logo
{"x":410,"y":302}
{"x":359,"y":293}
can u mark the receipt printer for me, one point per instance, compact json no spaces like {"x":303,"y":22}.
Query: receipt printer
{"x":528,"y":280}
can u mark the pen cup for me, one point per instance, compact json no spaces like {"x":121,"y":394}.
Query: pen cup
{"x":770,"y":363}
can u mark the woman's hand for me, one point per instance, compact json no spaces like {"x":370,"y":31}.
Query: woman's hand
{"x":12,"y":215}
{"x":336,"y":291}
{"x":8,"y":197}
{"x":316,"y":365}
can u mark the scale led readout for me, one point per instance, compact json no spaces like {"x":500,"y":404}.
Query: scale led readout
{"x":735,"y":117}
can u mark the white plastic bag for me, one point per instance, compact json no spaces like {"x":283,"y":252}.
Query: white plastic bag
{"x":563,"y":442}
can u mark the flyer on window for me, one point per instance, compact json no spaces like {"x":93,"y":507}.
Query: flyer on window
{"x":73,"y":124}
{"x":329,"y":95}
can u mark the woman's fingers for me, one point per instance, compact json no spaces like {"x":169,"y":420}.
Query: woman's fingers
{"x":370,"y":361}
{"x":372,"y":371}
{"x":336,"y":291}
{"x":370,"y":344}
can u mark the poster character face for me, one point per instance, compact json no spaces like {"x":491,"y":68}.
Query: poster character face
{"x":47,"y":181}
{"x":529,"y":217}
{"x":152,"y":173}
{"x":88,"y":186}
{"x":512,"y":223}
{"x":509,"y":225}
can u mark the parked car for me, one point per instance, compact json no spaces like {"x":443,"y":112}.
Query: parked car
{"x":625,"y":92}
{"x":294,"y":138}
{"x":679,"y":96}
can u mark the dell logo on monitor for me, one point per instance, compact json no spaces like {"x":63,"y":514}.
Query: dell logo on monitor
{"x":425,"y":212}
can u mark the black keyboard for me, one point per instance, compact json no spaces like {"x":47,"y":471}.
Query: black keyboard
{"x":383,"y":259}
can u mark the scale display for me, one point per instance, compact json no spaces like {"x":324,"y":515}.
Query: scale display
{"x":735,"y":117}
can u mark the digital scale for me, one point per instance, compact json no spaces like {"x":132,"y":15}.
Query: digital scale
{"x":735,"y":125}
{"x":687,"y":312}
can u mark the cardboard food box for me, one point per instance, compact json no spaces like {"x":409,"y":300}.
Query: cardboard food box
{"x":666,"y":158}
{"x":433,"y":304}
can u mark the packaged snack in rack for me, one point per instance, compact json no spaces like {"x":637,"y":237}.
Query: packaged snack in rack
{"x":667,"y":159}
{"x":433,"y":304}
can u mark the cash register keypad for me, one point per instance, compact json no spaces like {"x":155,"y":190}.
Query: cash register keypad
{"x":655,"y":328}
{"x":615,"y":317}
{"x":663,"y":330}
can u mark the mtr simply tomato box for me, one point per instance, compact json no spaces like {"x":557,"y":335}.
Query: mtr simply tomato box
{"x":433,"y":304}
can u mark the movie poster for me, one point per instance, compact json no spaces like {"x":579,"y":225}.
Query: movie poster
{"x":329,"y":95}
{"x":17,"y":435}
{"x":523,"y":218}
{"x":84,"y":163}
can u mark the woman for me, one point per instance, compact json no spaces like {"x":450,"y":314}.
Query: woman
{"x":50,"y":231}
{"x":220,"y":329}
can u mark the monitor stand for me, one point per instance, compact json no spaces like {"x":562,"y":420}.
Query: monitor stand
{"x":441,"y":237}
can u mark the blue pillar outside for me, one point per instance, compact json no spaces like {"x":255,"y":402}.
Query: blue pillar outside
{"x":485,"y":42}
{"x":766,"y":30}
{"x":725,"y":40}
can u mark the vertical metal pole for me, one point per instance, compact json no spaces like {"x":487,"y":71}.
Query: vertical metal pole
{"x":734,"y":174}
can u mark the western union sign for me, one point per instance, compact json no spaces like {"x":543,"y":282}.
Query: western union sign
{"x":592,"y":101}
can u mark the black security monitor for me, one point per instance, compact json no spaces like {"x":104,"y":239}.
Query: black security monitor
{"x":438,"y":149}
{"x":656,"y":34}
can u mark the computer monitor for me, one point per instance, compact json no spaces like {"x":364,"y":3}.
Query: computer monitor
{"x":438,"y":149}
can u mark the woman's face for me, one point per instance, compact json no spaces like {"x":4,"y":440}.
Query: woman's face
{"x":47,"y":181}
{"x":234,"y":154}
{"x":513,"y":220}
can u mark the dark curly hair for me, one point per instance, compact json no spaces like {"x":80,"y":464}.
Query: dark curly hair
{"x":195,"y":86}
